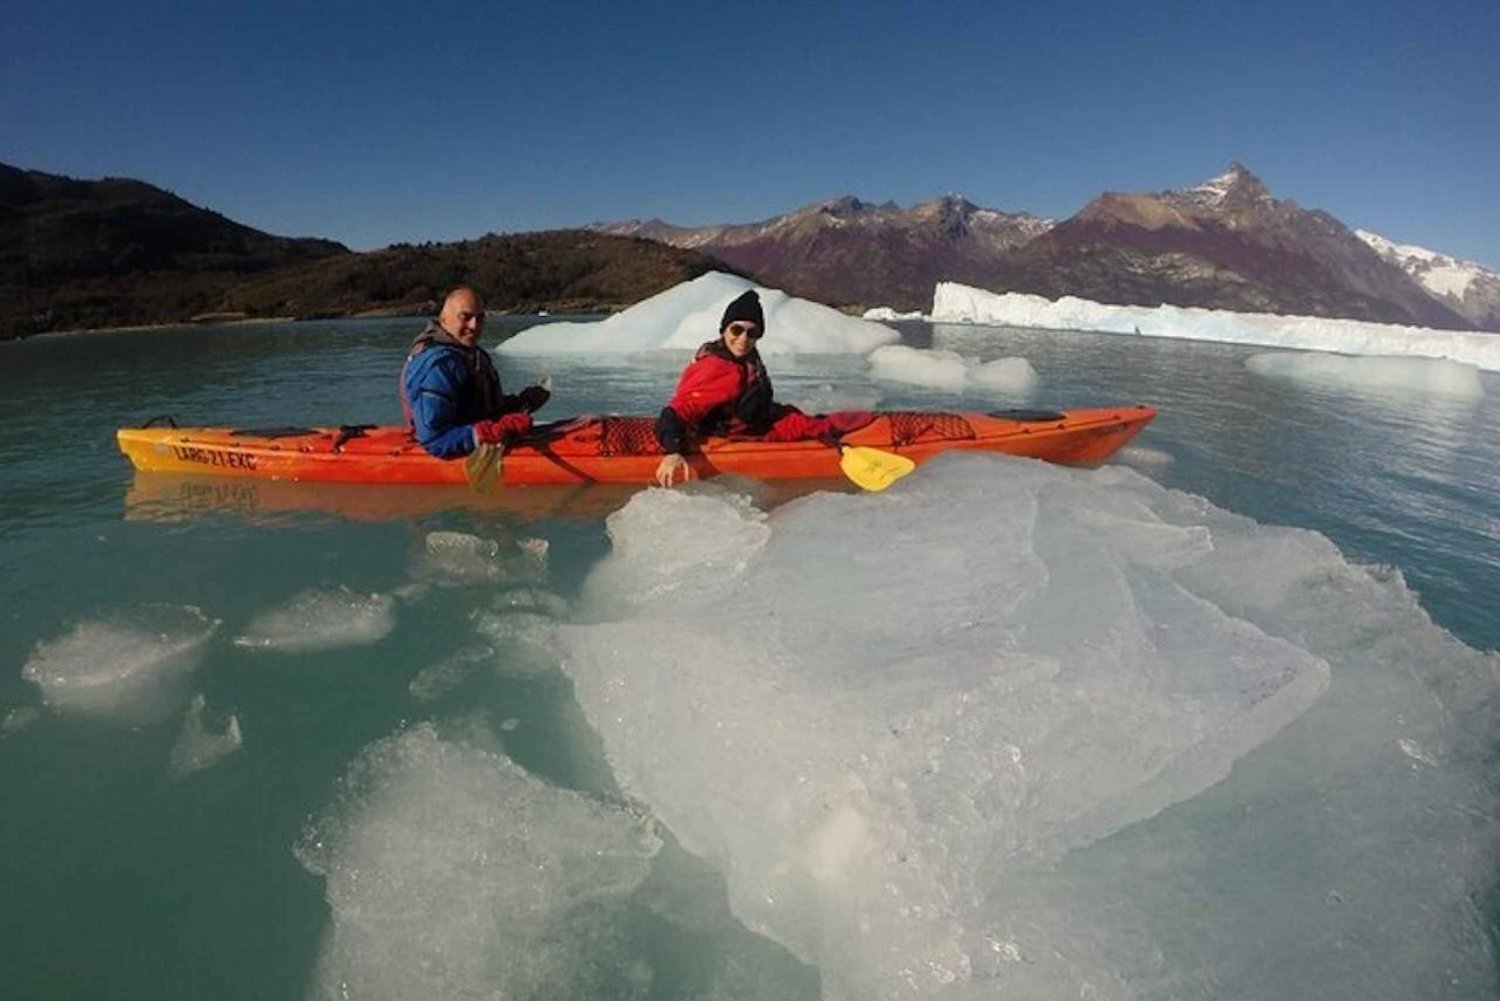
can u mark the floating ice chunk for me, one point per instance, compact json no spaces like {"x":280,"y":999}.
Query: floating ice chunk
{"x":197,"y":747}
{"x":885,"y":314}
{"x":942,"y":369}
{"x":529,"y":599}
{"x":685,"y":316}
{"x":1414,"y":750}
{"x":322,"y":620}
{"x":1144,"y":458}
{"x":712,"y":539}
{"x":437,"y":680}
{"x":524,"y":641}
{"x":1416,"y":375}
{"x":937,"y":368}
{"x":521,"y":891}
{"x":462,"y":544}
{"x":535,"y":549}
{"x":127,"y":663}
{"x":954,"y":303}
{"x":1011,"y":375}
{"x":466,"y":559}
{"x":865,"y":708}
{"x":827,"y":398}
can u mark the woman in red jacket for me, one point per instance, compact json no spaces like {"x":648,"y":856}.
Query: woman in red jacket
{"x":725,"y":391}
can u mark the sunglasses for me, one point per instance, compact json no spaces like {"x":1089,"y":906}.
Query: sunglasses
{"x":749,"y":330}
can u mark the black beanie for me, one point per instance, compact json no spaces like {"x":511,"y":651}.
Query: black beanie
{"x":745,"y":308}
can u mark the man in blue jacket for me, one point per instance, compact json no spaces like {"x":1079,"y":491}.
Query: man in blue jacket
{"x":450,"y":388}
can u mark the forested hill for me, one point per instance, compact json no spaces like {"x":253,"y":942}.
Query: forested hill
{"x":117,"y":252}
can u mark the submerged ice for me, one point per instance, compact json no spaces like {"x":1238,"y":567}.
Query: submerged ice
{"x":1010,"y":728}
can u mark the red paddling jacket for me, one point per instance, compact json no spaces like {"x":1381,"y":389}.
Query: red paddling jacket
{"x":722,"y":395}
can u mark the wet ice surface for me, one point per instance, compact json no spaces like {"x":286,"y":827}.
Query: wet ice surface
{"x":127,"y":663}
{"x":928,"y":737}
{"x":319,"y":619}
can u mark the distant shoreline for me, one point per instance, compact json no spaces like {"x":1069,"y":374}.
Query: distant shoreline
{"x":241,"y":322}
{"x":250,"y":321}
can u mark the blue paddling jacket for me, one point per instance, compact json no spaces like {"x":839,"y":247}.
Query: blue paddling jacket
{"x":447,"y":387}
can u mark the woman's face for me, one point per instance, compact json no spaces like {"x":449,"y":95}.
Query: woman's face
{"x":740,"y":337}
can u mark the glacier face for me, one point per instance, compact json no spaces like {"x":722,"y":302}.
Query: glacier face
{"x":955,"y":303}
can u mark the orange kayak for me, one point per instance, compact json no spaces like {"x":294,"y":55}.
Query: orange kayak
{"x":620,"y":449}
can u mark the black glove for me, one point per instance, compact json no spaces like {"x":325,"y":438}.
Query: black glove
{"x":533,"y":398}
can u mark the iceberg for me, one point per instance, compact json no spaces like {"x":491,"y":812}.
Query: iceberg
{"x":955,"y":303}
{"x":686,"y":315}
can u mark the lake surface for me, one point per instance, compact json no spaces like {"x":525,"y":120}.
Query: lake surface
{"x":263,"y":703}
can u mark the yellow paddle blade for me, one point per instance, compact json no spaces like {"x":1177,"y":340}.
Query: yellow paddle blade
{"x":872,"y":469}
{"x":482,"y":468}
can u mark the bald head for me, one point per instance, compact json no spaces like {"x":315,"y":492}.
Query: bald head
{"x":463,"y":316}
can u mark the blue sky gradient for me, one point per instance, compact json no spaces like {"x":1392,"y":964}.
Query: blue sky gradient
{"x":377,"y":122}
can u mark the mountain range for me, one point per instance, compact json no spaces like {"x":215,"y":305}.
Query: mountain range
{"x":77,"y":253}
{"x":1223,"y":244}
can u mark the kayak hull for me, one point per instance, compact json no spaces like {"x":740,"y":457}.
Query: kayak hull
{"x":619,"y":449}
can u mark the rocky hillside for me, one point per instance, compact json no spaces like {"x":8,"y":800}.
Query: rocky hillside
{"x":849,"y":252}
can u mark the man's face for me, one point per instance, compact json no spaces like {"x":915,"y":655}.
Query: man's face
{"x":463,"y":318}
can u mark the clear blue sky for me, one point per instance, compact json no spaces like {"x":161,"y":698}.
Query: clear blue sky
{"x":375,"y":122}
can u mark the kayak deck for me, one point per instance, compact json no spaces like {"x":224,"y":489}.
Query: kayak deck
{"x":620,"y":449}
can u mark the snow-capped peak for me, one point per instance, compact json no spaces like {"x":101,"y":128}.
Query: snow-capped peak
{"x":1440,"y":274}
{"x":1236,"y":181}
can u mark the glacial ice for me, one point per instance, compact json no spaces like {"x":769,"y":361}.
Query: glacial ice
{"x":955,"y":303}
{"x":439,"y":679}
{"x":1404,"y":374}
{"x":686,"y":315}
{"x":519,"y":891}
{"x":319,"y":619}
{"x":940,"y":369}
{"x":198,"y":746}
{"x":128,"y":663}
{"x":1009,"y":729}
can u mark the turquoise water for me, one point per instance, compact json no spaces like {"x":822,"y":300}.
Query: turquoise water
{"x":124,"y":878}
